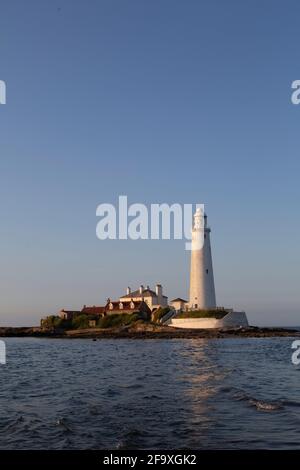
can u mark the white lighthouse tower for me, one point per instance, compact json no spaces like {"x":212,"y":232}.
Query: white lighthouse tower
{"x":202,"y":286}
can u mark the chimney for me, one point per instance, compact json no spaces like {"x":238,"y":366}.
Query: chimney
{"x":128,"y":290}
{"x":141,"y":289}
{"x":158,"y":290}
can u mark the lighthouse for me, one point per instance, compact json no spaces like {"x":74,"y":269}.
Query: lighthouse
{"x":200,"y":312}
{"x":202,"y":286}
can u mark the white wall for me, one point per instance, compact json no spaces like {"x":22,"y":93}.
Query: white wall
{"x":232,"y":319}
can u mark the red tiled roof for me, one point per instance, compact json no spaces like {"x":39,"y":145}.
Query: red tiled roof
{"x":126,"y":304}
{"x":93,"y":310}
{"x":69,"y":311}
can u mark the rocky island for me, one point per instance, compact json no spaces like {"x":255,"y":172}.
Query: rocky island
{"x":147,"y":330}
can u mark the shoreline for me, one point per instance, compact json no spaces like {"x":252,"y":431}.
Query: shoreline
{"x":148,"y":331}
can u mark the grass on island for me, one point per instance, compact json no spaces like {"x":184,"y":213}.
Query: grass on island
{"x":213,"y":313}
{"x":118,"y":319}
{"x":83,"y":321}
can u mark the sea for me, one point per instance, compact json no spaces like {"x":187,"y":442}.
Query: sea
{"x":239,"y":393}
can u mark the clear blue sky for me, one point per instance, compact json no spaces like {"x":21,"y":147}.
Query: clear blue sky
{"x":165,"y":101}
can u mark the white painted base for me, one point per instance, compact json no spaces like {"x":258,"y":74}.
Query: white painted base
{"x":231,"y":320}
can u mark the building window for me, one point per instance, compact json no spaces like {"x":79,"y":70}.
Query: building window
{"x":207,"y":271}
{"x":196,"y":305}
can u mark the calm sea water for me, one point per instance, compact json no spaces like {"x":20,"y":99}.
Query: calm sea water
{"x":130,"y":394}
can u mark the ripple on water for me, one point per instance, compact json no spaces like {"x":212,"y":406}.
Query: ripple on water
{"x":59,"y":394}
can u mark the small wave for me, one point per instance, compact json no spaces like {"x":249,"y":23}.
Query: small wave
{"x":226,"y":389}
{"x":265,"y":406}
{"x":151,"y":397}
{"x":112,"y":392}
{"x":133,"y":386}
{"x":131,"y":439}
{"x":16,"y":423}
{"x":259,"y":404}
{"x":62,"y":423}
